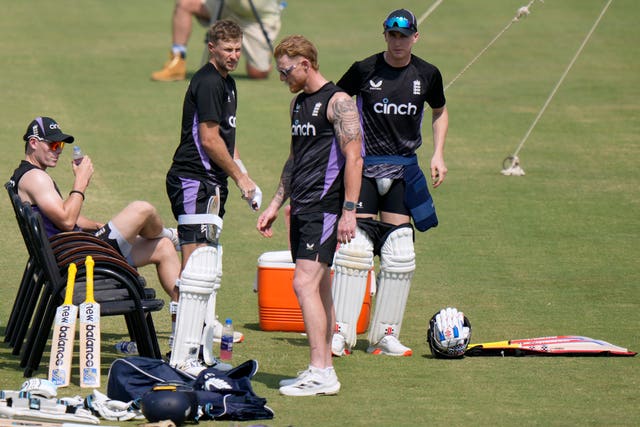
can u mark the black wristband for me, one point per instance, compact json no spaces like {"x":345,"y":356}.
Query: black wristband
{"x":77,"y":192}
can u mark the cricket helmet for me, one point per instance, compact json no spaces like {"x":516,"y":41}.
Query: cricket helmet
{"x":449,"y":334}
{"x":175,"y":405}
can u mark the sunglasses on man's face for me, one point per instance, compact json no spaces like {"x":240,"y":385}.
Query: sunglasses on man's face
{"x":284,"y":72}
{"x":53,"y":145}
{"x":398,"y":22}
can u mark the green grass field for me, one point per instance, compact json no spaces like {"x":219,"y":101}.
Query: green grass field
{"x":554,"y":252}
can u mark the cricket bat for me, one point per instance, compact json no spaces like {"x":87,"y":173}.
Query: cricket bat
{"x":63,"y":335}
{"x":566,"y":345}
{"x":89,"y":333}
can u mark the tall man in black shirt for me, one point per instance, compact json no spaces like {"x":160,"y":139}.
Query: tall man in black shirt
{"x":322,"y":178}
{"x":197,"y":188}
{"x":391,"y":90}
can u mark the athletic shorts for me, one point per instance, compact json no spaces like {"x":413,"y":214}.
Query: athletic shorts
{"x":190,"y":196}
{"x":371,"y":202}
{"x":314,"y":236}
{"x":255,"y":48}
{"x":109,"y":234}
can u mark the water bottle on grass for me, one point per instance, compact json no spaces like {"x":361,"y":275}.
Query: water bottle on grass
{"x":127,"y":347}
{"x":226,"y":341}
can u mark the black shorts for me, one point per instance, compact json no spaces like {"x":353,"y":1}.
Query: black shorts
{"x":371,"y":202}
{"x":112,"y":237}
{"x":190,"y":196}
{"x":314,"y":236}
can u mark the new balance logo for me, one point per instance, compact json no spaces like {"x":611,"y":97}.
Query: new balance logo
{"x":316,"y":109}
{"x":375,"y":86}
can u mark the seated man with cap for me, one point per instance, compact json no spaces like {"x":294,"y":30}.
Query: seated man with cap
{"x":137,"y":232}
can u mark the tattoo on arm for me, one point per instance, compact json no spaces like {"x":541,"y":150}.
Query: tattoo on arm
{"x":346,"y":122}
{"x":284,"y":188}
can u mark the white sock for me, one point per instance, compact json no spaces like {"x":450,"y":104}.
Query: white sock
{"x":166,"y":232}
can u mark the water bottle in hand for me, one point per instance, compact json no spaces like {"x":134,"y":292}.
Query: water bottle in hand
{"x":77,"y":155}
{"x":226,"y":342}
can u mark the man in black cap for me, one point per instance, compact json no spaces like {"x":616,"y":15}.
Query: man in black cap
{"x":392,"y":88}
{"x":137,"y":232}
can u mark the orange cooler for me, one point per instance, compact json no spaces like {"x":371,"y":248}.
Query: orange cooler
{"x":278,"y":305}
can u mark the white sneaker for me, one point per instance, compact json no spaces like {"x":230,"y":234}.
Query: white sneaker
{"x":291,"y":381}
{"x":390,"y":346}
{"x":312,"y":382}
{"x":217,"y":333}
{"x":339,"y":346}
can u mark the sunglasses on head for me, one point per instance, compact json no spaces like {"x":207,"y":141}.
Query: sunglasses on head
{"x":398,"y":22}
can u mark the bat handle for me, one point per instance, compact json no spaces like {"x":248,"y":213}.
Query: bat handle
{"x":89,"y":264}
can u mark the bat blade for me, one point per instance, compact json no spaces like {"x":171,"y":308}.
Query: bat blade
{"x":89,"y":334}
{"x":567,"y":345}
{"x":63,"y":335}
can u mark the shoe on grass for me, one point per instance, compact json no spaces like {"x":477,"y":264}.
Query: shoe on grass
{"x":339,"y":346}
{"x":390,"y":346}
{"x":312,"y":382}
{"x":174,"y":69}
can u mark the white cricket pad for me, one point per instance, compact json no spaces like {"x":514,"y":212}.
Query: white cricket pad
{"x":208,"y":334}
{"x":196,"y":284}
{"x":352,"y":263}
{"x":397,"y":265}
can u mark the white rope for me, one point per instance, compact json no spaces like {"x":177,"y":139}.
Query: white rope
{"x":429,"y":11}
{"x":555,"y":89}
{"x":522,"y":12}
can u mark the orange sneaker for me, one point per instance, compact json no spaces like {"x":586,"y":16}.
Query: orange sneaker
{"x":173,"y":70}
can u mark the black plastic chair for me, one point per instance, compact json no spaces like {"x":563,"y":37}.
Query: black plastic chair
{"x":127,"y":297}
{"x":118,"y":287}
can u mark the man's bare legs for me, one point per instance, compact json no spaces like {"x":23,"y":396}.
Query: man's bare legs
{"x":312,"y":285}
{"x":140,"y":224}
{"x":182,"y":21}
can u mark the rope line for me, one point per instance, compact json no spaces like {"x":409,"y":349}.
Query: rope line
{"x":555,"y":89}
{"x":429,"y":11}
{"x":522,"y":12}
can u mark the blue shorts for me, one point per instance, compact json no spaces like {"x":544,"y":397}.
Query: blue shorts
{"x":314,"y":236}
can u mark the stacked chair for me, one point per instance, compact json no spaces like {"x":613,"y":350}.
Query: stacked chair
{"x":118,"y":287}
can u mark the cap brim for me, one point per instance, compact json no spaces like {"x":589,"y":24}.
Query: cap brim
{"x":66,"y":138}
{"x":404,"y":31}
{"x":59,"y":136}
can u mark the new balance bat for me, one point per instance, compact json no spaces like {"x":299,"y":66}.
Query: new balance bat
{"x":89,"y":334}
{"x":64,"y":331}
{"x":563,"y":345}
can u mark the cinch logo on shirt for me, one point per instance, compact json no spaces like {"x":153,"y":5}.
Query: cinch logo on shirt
{"x":303,"y":129}
{"x":386,"y":107}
